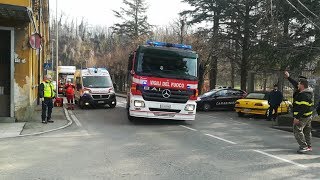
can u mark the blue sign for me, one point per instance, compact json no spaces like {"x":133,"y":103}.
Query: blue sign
{"x":47,"y":66}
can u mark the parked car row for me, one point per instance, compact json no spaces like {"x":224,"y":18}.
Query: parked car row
{"x":255,"y":103}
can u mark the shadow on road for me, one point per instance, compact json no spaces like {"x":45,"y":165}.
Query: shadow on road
{"x":151,"y":122}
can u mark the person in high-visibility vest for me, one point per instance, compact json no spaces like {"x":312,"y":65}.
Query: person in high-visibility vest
{"x":302,"y":113}
{"x":47,"y":94}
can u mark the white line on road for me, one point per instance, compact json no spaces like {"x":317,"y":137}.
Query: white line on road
{"x":188,"y":128}
{"x":281,"y":159}
{"x":220,"y":138}
{"x":75,"y":119}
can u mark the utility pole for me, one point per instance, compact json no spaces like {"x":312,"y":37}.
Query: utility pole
{"x":57,"y":47}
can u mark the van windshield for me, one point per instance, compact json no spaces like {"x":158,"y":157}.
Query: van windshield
{"x":97,"y":81}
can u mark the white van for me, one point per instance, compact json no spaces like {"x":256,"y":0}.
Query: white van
{"x":94,"y":88}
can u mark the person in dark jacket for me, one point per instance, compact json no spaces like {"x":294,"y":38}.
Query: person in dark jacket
{"x":274,"y":101}
{"x":293,"y":82}
{"x":302,"y":114}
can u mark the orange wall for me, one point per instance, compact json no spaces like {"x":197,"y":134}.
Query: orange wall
{"x":25,"y":3}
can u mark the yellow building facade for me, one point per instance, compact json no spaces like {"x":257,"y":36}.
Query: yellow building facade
{"x":21,"y":64}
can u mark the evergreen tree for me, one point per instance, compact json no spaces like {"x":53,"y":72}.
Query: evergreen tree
{"x":134,"y":19}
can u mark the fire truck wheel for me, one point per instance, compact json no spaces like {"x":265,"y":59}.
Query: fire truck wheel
{"x":130,"y":118}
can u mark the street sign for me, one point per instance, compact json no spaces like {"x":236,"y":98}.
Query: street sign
{"x":47,"y":66}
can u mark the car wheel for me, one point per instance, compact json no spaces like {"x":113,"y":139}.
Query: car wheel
{"x":206,"y":107}
{"x":289,"y":109}
{"x":113,"y":105}
{"x":240,"y":114}
{"x":267,"y":114}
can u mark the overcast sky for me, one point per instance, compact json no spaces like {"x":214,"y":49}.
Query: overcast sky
{"x":99,"y":12}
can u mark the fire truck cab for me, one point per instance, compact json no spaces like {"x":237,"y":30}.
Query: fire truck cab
{"x":163,"y":82}
{"x":94,"y":88}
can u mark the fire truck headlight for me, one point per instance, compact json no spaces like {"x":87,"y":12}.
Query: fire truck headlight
{"x":189,"y":107}
{"x":138,"y":103}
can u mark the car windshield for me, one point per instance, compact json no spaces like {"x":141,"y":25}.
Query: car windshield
{"x":167,"y":65}
{"x":209,"y":93}
{"x":261,"y":96}
{"x":97,"y":81}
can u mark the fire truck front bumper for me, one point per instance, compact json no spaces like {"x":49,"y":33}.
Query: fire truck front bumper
{"x":163,"y":110}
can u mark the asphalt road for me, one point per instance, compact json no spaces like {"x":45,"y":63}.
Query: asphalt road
{"x":103,"y":144}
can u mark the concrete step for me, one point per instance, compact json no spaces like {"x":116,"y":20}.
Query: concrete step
{"x":7,"y":120}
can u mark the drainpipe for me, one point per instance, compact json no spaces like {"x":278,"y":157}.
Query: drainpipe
{"x":39,"y":50}
{"x":57,"y":49}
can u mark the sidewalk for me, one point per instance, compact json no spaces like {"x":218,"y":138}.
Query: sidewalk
{"x":35,"y":126}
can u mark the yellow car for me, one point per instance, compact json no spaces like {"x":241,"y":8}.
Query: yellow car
{"x":256,"y":103}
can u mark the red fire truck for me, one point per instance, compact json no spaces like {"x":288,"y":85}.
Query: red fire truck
{"x":163,"y":82}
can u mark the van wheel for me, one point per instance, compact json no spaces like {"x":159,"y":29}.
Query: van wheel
{"x":81,"y":104}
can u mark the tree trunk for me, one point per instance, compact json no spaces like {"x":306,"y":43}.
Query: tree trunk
{"x":201,"y":78}
{"x":265,"y":79}
{"x":232,"y":72}
{"x":182,"y":28}
{"x":233,"y":61}
{"x":245,"y":51}
{"x":214,"y":59}
{"x":213,"y":72}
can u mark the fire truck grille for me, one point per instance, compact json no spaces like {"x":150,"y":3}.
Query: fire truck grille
{"x":165,"y":110}
{"x":173,"y":96}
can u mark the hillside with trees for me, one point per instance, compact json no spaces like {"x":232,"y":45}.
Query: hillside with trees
{"x":235,"y":39}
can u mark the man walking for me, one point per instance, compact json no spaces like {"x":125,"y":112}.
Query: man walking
{"x":47,"y":94}
{"x":302,"y":114}
{"x":274,"y":101}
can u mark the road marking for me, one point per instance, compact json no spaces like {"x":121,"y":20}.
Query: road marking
{"x":188,"y":128}
{"x":75,"y":119}
{"x":220,"y":138}
{"x":281,"y":159}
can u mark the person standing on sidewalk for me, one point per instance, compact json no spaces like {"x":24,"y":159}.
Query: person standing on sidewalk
{"x":274,"y":101}
{"x":46,"y":95}
{"x":70,"y":94}
{"x":302,"y":114}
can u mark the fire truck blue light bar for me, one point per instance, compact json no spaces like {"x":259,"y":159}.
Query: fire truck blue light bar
{"x":164,"y":44}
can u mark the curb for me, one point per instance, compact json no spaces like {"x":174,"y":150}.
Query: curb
{"x":315,"y":132}
{"x":51,"y":130}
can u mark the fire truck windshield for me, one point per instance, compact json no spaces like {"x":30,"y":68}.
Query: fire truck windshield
{"x":97,"y":81}
{"x":167,"y":66}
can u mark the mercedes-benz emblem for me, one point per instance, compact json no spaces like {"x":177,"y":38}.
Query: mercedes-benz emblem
{"x":166,"y":93}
